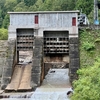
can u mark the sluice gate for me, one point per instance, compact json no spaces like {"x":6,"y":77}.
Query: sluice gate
{"x":56,"y":50}
{"x":21,"y":75}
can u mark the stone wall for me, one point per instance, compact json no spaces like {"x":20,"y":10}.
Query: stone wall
{"x":7,"y":68}
{"x":74,"y":63}
{"x":3,"y":55}
{"x":37,"y":62}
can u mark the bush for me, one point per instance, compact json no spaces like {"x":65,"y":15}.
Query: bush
{"x":97,"y":40}
{"x":88,"y":46}
{"x":88,"y":85}
{"x":3,"y":34}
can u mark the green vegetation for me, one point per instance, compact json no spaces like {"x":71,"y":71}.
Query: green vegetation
{"x":3,"y":34}
{"x":89,"y":47}
{"x":87,"y":87}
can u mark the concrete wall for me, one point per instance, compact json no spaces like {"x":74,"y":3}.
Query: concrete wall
{"x":3,"y":56}
{"x":55,"y":19}
{"x":8,"y":68}
{"x":47,"y":21}
{"x":37,"y":62}
{"x":74,"y":63}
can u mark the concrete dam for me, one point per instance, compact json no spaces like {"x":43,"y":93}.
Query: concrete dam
{"x":52,"y":40}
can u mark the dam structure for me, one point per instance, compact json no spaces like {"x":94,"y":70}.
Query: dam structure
{"x":53,"y":40}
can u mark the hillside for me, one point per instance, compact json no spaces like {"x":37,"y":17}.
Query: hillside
{"x":87,"y":87}
{"x":89,"y":47}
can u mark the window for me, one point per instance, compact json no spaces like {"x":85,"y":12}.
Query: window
{"x":36,"y":19}
{"x":74,"y":21}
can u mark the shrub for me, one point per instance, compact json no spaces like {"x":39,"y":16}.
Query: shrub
{"x":97,"y":40}
{"x":88,"y":46}
{"x":3,"y":34}
{"x":88,"y":85}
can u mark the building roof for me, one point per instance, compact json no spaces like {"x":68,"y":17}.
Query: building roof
{"x":44,"y":12}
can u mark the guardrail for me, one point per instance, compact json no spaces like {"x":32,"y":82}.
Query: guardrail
{"x":91,"y":27}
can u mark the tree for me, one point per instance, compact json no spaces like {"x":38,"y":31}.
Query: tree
{"x":2,"y":11}
{"x":18,"y":1}
{"x":85,"y":5}
{"x":38,"y":6}
{"x":48,"y":5}
{"x":6,"y":22}
{"x":29,"y":2}
{"x":21,"y":7}
{"x":10,"y":4}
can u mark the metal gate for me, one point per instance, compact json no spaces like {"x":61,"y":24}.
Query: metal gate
{"x":25,"y":39}
{"x":56,"y":42}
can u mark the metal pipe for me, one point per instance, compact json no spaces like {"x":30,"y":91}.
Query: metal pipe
{"x":95,"y":11}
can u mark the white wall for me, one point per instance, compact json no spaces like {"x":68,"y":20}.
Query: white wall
{"x":56,"y":21}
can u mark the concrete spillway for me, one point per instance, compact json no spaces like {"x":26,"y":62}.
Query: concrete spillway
{"x":21,"y":78}
{"x":54,"y":87}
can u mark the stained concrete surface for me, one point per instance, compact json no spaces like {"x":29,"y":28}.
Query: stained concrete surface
{"x":56,"y":78}
{"x":54,"y":87}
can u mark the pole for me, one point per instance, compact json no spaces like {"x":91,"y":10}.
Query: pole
{"x":95,"y":12}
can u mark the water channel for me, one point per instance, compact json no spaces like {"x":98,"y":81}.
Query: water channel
{"x":54,"y":87}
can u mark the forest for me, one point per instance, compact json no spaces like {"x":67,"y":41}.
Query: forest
{"x":42,"y":5}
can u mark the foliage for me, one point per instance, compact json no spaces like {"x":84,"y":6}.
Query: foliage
{"x":29,"y":2}
{"x":88,"y":46}
{"x":9,"y":5}
{"x":88,"y":85}
{"x":87,"y":38}
{"x":3,"y":34}
{"x":37,"y":6}
{"x":85,"y":5}
{"x":6,"y":21}
{"x":20,"y":7}
{"x":97,"y":40}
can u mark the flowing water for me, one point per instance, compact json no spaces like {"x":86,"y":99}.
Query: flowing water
{"x":54,"y":87}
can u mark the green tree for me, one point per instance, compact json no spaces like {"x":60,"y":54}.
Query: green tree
{"x":18,"y":1}
{"x":85,"y":5}
{"x":29,"y":2}
{"x":48,"y":4}
{"x":21,"y":7}
{"x":6,"y":22}
{"x":38,"y":6}
{"x":2,"y":11}
{"x":10,"y":4}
